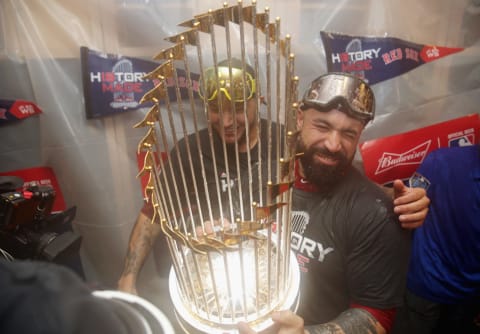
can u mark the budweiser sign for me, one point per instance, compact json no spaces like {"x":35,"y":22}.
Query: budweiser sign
{"x":413,"y":156}
{"x":412,"y":147}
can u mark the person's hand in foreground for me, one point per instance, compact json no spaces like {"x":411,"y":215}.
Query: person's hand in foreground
{"x":285,"y":322}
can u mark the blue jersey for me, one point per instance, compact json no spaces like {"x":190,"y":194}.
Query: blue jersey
{"x":445,"y":259}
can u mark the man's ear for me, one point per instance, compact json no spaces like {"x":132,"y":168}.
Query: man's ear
{"x":299,"y":117}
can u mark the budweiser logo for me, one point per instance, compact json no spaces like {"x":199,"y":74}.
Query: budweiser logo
{"x":410,"y":157}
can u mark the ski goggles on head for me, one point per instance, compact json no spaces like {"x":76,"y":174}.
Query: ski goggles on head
{"x":342,"y":91}
{"x":236,"y":87}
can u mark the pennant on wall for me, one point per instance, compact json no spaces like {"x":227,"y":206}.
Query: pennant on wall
{"x":12,"y":110}
{"x":114,"y":83}
{"x":377,"y":58}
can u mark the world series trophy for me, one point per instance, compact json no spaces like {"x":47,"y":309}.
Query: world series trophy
{"x":222,"y":193}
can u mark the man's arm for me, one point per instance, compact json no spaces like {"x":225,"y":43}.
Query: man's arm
{"x":351,"y":321}
{"x":141,"y":240}
{"x":410,"y":204}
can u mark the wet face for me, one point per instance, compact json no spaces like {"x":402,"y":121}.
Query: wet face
{"x":329,"y":141}
{"x":231,"y":124}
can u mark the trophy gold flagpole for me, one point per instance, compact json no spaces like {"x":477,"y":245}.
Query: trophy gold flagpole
{"x":224,"y":208}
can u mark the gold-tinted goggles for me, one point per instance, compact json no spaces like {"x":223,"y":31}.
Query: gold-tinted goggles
{"x":236,"y":87}
{"x":348,"y":91}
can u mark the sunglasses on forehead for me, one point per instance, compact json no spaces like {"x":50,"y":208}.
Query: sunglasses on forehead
{"x":237,"y":86}
{"x":351,"y":92}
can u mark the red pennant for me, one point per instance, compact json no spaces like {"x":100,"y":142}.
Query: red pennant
{"x":431,"y":52}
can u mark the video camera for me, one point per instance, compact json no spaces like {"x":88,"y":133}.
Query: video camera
{"x":29,"y":230}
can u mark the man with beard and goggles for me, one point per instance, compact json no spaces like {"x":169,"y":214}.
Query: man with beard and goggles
{"x":352,"y":251}
{"x":411,"y":204}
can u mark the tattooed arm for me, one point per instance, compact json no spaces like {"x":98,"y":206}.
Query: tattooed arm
{"x":141,"y":240}
{"x":351,"y":321}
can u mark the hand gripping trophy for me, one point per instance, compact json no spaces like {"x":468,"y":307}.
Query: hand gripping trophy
{"x":222,"y":194}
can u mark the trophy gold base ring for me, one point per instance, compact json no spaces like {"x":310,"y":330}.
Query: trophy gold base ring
{"x":201,"y":317}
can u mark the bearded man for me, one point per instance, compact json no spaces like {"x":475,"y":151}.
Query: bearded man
{"x":352,"y":251}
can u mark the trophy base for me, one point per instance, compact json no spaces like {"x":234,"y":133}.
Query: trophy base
{"x":194,"y":324}
{"x":189,"y":329}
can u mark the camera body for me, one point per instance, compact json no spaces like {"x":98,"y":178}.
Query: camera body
{"x":29,"y":230}
{"x":29,"y":207}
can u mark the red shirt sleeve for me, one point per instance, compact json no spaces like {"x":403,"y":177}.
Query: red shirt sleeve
{"x":147,"y":209}
{"x":384,"y":316}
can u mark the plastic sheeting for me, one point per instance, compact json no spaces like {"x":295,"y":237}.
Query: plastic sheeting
{"x":94,"y":160}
